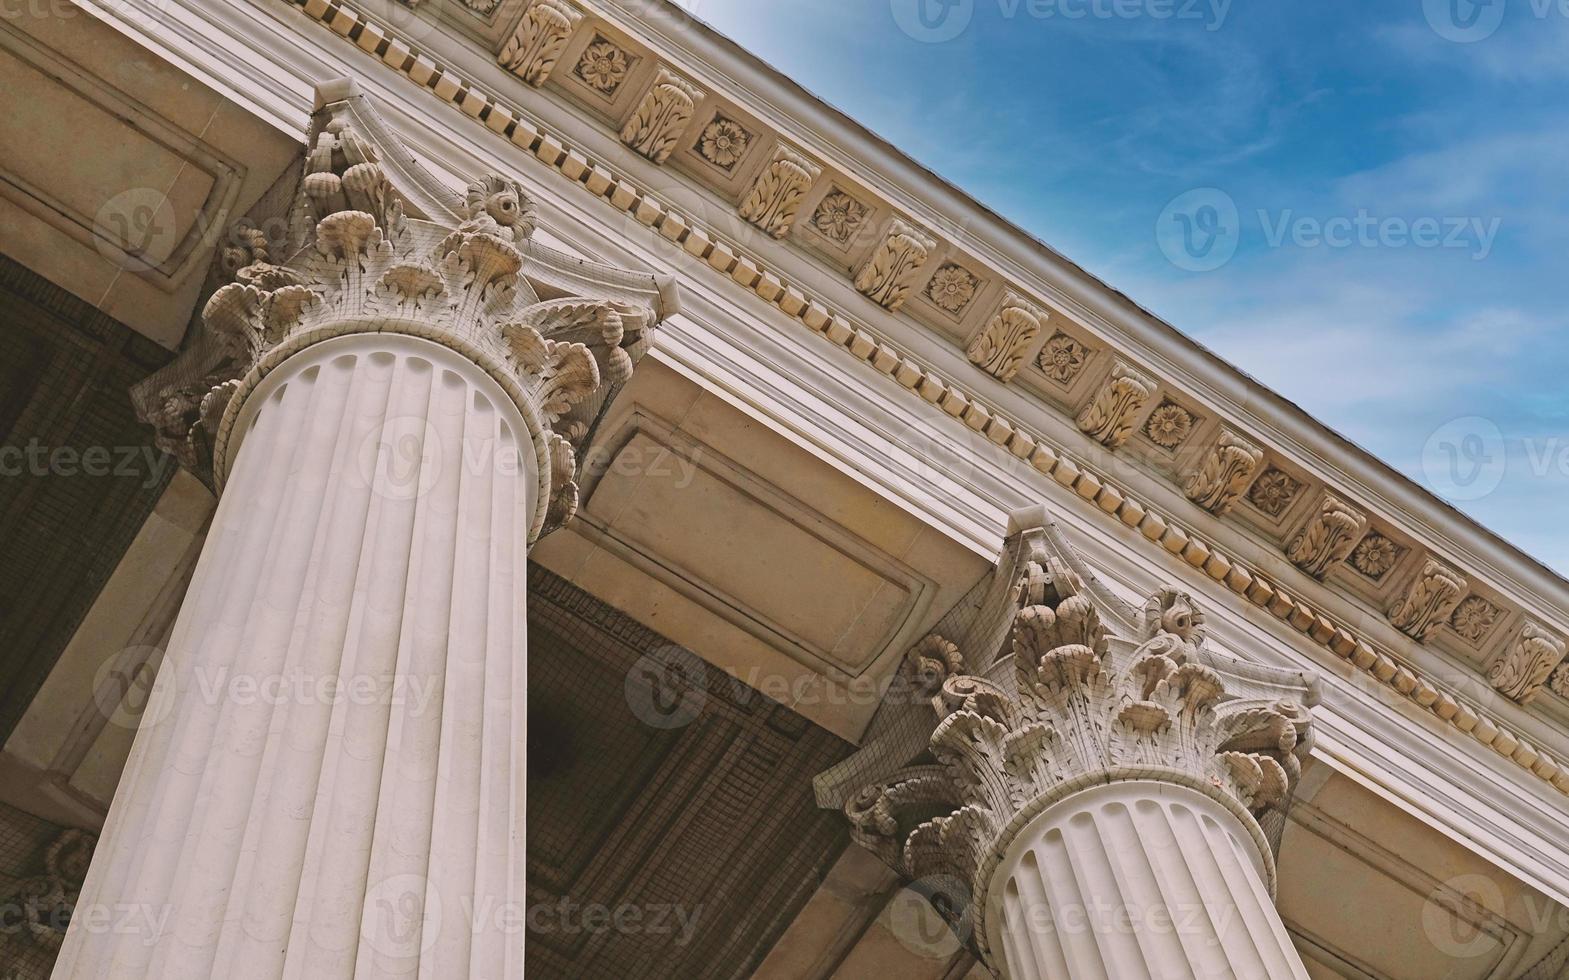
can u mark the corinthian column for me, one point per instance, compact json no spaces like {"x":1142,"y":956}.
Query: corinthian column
{"x":1091,"y":803}
{"x":329,"y":778}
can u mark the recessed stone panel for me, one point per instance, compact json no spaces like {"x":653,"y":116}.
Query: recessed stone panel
{"x":752,"y":552}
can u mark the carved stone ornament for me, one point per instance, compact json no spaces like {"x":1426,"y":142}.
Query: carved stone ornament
{"x":43,"y":904}
{"x":1057,"y":687}
{"x":535,"y":47}
{"x":1428,"y":601}
{"x":840,"y":217}
{"x":776,"y":194}
{"x":1376,"y":556}
{"x":723,"y":143}
{"x":1169,"y":426}
{"x":1224,"y":476}
{"x":1475,"y":618}
{"x":1002,"y":346}
{"x":1063,"y":358}
{"x":1109,"y":417}
{"x":604,"y":66}
{"x":1328,"y":538}
{"x":953,"y":287}
{"x":1274,"y":492}
{"x":890,"y":272}
{"x":659,"y":120}
{"x":378,"y":245}
{"x":1526,"y":665}
{"x":1559,"y":681}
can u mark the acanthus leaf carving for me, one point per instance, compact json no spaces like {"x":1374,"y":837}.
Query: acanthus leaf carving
{"x":1003,"y":345}
{"x":1328,"y":537}
{"x":1428,"y":601}
{"x":776,"y":194}
{"x":1089,"y":690}
{"x":563,"y":373}
{"x":1224,"y":476}
{"x":889,"y":272}
{"x":1523,"y":668}
{"x":656,"y":125}
{"x":463,"y":274}
{"x":535,"y":47}
{"x":1109,"y":417}
{"x":931,"y":662}
{"x":41,"y":906}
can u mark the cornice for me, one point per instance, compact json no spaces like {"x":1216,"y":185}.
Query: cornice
{"x":1179,"y":534}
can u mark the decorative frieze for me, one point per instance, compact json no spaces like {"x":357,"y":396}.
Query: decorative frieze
{"x":1328,"y":537}
{"x":1109,"y":417}
{"x":889,"y":273}
{"x":776,"y":194}
{"x":1525,"y":666}
{"x":1428,"y":601}
{"x":1224,"y":476}
{"x":659,"y":120}
{"x":1003,"y":344}
{"x":358,"y":263}
{"x":534,"y":48}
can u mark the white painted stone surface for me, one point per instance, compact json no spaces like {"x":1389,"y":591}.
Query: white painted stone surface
{"x":1138,"y":879}
{"x":371,"y":534}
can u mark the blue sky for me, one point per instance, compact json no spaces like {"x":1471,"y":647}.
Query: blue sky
{"x":1399,"y":244}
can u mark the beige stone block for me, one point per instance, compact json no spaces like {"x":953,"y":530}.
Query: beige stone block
{"x":1043,"y":459}
{"x":499,"y":117}
{"x":371,"y":36}
{"x":721,"y":258}
{"x":574,"y":166}
{"x":599,"y":181}
{"x":447,"y":86}
{"x":423,"y":70}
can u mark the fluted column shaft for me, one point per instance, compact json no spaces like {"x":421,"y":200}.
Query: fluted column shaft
{"x":329,"y":779}
{"x":1138,"y":879}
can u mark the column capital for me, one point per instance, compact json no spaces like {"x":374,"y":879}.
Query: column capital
{"x":375,"y":244}
{"x":1085,"y":690}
